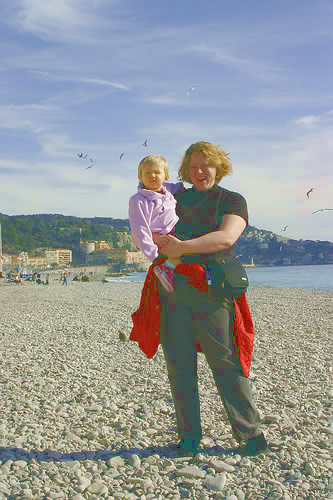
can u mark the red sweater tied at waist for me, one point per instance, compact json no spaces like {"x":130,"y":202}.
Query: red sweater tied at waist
{"x":146,"y":320}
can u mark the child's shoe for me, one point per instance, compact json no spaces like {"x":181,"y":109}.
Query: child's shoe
{"x":166,"y":275}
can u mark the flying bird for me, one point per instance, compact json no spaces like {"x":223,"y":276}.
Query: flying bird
{"x":122,"y":337}
{"x":145,"y":143}
{"x":92,"y":163}
{"x":191,"y":89}
{"x":321,"y":210}
{"x":310,"y":191}
{"x":81,"y":155}
{"x":122,"y":154}
{"x":284,"y":228}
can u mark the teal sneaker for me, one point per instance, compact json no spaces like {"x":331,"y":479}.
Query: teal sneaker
{"x":256,"y":445}
{"x":188,"y":447}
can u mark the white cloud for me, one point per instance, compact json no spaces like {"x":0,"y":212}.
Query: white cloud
{"x":307,"y":121}
{"x":76,"y":78}
{"x":74,"y":20}
{"x":166,"y":100}
{"x":105,"y":82}
{"x":243,"y":64}
{"x":24,"y":117}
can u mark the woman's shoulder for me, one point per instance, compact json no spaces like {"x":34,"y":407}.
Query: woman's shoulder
{"x":229,"y":195}
{"x":217,"y":193}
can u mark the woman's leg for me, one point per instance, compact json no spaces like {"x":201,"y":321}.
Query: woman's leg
{"x":213,"y":323}
{"x":180,"y":354}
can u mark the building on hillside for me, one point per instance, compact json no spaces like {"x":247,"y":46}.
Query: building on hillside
{"x":51,"y":256}
{"x":137,"y":258}
{"x":23,"y":258}
{"x":6,"y":259}
{"x":59,"y":256}
{"x":88,"y":246}
{"x":107,"y":256}
{"x":118,"y":257}
{"x":101,"y":245}
{"x":98,"y":258}
{"x":38,"y":262}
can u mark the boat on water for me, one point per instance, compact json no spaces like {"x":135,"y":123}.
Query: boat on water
{"x":250,"y":265}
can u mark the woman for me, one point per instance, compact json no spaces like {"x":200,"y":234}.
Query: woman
{"x":211,"y":221}
{"x":193,"y":317}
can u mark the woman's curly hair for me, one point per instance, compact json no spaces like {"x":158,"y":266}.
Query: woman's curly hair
{"x":213,"y":153}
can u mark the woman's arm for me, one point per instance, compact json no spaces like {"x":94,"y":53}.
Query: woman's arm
{"x":228,"y":233}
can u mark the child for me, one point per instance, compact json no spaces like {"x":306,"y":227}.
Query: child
{"x":153,"y":210}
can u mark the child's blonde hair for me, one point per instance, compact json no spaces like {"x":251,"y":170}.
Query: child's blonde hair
{"x":153,"y":160}
{"x":215,"y":156}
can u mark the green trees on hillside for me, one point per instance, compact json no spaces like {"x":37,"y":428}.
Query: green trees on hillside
{"x":29,"y":232}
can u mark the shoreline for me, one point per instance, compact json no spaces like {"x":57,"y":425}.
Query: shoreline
{"x":98,"y":279}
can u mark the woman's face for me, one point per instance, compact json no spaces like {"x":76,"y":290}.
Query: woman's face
{"x":202,"y":175}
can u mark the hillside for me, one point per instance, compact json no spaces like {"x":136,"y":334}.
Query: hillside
{"x":32,"y":232}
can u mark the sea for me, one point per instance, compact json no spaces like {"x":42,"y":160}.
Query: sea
{"x":319,"y":277}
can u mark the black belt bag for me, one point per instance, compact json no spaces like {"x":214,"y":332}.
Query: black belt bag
{"x":228,"y":277}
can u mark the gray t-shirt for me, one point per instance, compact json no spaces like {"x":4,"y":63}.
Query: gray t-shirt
{"x":201,"y":212}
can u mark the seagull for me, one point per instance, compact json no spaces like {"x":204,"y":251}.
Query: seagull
{"x":122,"y":154}
{"x":321,"y":210}
{"x":122,"y":337}
{"x":190,"y":90}
{"x":81,"y":155}
{"x":284,"y":228}
{"x":307,"y":194}
{"x":145,"y":143}
{"x":92,"y":163}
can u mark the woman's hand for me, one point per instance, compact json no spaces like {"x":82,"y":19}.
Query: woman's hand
{"x":171,"y":246}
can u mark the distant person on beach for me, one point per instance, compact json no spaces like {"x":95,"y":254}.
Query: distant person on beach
{"x":18,"y":280}
{"x":64,"y":279}
{"x":152,"y":210}
{"x":203,"y":314}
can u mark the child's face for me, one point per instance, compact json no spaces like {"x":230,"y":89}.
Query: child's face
{"x":152,"y":177}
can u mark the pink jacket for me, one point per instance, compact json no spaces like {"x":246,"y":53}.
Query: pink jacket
{"x":152,"y":212}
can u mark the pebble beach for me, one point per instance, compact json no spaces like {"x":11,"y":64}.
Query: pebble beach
{"x":85,"y":415}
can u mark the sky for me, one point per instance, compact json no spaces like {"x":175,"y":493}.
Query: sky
{"x":100,"y":77}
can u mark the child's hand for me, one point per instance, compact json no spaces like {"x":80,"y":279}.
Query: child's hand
{"x":173,"y":247}
{"x":160,"y":240}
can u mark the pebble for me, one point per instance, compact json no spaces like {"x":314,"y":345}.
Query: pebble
{"x":85,"y":415}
